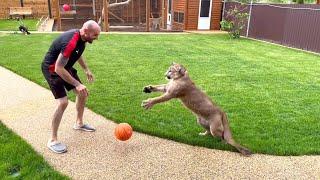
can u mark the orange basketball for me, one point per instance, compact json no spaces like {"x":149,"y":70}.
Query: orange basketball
{"x":123,"y":131}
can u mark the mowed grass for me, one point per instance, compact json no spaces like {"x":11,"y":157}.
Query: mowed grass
{"x":19,"y":161}
{"x":13,"y":24}
{"x":270,"y":93}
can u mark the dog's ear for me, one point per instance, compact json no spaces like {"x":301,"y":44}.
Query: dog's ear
{"x":182,"y":70}
{"x":173,"y":63}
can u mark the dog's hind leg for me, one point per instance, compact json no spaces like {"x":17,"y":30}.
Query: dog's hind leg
{"x":215,"y":126}
{"x":205,"y":124}
{"x":228,"y":137}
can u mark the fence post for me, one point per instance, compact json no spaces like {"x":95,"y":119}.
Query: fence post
{"x":224,"y":8}
{"x":49,"y":9}
{"x":248,"y":25}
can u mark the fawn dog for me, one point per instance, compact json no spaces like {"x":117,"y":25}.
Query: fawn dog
{"x":209,"y":115}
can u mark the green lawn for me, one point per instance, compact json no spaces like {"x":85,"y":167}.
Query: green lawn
{"x":19,"y":161}
{"x":12,"y":24}
{"x":270,"y":93}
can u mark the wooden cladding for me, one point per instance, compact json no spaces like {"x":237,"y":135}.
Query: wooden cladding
{"x":193,"y":14}
{"x":216,"y":14}
{"x":178,"y":5}
{"x":191,"y":10}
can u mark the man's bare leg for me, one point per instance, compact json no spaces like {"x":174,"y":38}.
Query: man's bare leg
{"x":57,"y":116}
{"x":80,"y":104}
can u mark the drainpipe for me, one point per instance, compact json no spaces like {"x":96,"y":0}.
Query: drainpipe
{"x":49,"y":8}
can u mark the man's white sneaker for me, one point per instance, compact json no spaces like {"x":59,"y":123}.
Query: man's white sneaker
{"x":84,"y":127}
{"x":57,"y":147}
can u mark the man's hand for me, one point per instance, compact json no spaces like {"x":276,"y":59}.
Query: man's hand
{"x":82,"y":90}
{"x":90,"y":77}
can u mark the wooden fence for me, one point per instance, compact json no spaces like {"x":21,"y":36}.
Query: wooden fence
{"x":39,"y":7}
{"x":287,"y":24}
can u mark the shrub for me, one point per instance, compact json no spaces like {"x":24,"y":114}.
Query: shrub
{"x":234,"y":22}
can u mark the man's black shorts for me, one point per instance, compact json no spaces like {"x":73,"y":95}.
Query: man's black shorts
{"x":57,"y":85}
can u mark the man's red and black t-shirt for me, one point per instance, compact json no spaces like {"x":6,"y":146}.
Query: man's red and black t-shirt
{"x":70,"y":45}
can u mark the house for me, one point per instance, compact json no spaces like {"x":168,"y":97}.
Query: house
{"x":127,"y":15}
{"x":165,"y":15}
{"x":193,"y":14}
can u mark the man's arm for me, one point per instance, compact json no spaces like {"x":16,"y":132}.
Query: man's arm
{"x":62,"y":72}
{"x":84,"y":66}
{"x":66,"y":76}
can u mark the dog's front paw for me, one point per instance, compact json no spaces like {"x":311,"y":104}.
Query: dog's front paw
{"x":147,"y":104}
{"x":147,"y":89}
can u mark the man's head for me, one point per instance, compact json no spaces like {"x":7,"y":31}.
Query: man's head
{"x":90,"y":31}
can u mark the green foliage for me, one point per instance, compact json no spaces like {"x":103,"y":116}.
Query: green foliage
{"x":234,"y":22}
{"x":19,"y":161}
{"x":299,"y":1}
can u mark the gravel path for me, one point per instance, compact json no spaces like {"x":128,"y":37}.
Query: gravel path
{"x":26,"y":108}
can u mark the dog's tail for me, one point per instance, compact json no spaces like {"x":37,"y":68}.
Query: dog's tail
{"x":227,"y":136}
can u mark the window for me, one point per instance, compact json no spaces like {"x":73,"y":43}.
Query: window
{"x":178,"y":17}
{"x":154,"y":5}
{"x":205,"y":8}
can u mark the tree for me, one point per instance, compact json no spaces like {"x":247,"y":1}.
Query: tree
{"x":234,"y":22}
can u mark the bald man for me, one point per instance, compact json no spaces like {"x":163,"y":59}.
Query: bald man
{"x":57,"y":68}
